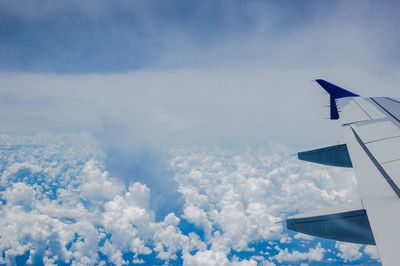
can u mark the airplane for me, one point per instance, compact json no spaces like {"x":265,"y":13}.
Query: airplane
{"x":371,"y":147}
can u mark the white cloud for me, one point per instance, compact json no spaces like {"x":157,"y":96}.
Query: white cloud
{"x":300,"y":236}
{"x":285,"y":238}
{"x":207,"y":257}
{"x":97,"y":185}
{"x":31,"y":230}
{"x":127,"y":216}
{"x":20,"y":194}
{"x":348,"y":251}
{"x":314,"y":254}
{"x":372,"y":252}
{"x":14,"y":168}
{"x":188,"y":104}
{"x":198,"y":217}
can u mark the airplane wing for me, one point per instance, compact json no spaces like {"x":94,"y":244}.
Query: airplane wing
{"x":371,"y":128}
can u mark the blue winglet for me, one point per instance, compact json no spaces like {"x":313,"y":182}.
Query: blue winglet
{"x":335,"y":92}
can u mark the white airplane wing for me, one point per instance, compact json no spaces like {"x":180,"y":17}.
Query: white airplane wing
{"x":372,"y":147}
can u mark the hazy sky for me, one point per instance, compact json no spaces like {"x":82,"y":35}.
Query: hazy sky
{"x":151,"y":71}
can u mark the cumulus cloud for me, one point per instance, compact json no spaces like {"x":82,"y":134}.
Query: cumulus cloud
{"x":97,"y":185}
{"x":199,"y":218}
{"x":20,"y":195}
{"x":211,"y":258}
{"x":65,"y":206}
{"x":243,"y":194}
{"x":314,"y":254}
{"x":348,"y":251}
{"x":372,"y":252}
{"x":302,"y":236}
{"x":84,"y":213}
{"x":207,"y":257}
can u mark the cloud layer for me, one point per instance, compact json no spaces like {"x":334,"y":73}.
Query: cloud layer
{"x":62,"y":206}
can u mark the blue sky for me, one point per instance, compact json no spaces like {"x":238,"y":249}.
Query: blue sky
{"x":160,"y":132}
{"x":126,"y":35}
{"x":97,"y":36}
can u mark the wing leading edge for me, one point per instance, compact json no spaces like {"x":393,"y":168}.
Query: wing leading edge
{"x":372,"y":147}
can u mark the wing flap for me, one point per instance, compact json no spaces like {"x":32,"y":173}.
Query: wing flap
{"x":346,"y":222}
{"x":336,"y":155}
